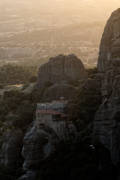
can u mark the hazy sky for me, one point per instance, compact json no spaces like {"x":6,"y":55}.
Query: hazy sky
{"x":85,"y":8}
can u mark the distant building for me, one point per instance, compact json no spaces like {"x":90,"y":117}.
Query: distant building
{"x":54,"y":111}
{"x":52,"y":114}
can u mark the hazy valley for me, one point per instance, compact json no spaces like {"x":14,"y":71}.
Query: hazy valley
{"x":34,"y":33}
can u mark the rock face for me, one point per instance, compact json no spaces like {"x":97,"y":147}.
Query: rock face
{"x":110,"y":43}
{"x":11,"y":149}
{"x":59,"y":76}
{"x":38,"y":144}
{"x":30,"y":149}
{"x":41,"y":139}
{"x":107,"y":120}
{"x":60,"y":90}
{"x":61,"y":68}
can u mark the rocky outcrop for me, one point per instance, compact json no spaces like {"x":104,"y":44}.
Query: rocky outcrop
{"x":30,"y":175}
{"x":31,"y":148}
{"x":60,"y":75}
{"x":10,"y":155}
{"x":60,"y":90}
{"x":61,"y":69}
{"x":107,"y":120}
{"x":110,"y":43}
{"x":40,"y":143}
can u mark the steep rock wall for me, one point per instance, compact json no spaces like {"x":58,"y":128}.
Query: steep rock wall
{"x":107,"y":120}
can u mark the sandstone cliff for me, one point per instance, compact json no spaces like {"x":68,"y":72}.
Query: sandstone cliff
{"x":61,"y":68}
{"x":107,"y":120}
{"x":110,"y":42}
{"x":59,"y":76}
